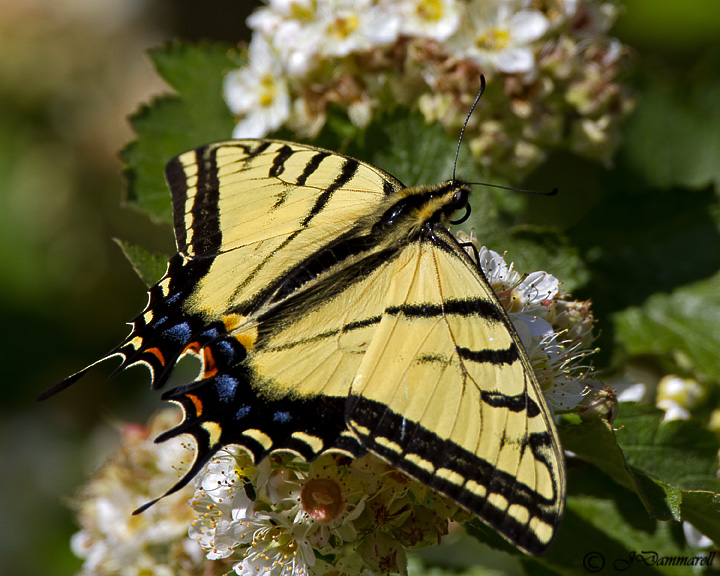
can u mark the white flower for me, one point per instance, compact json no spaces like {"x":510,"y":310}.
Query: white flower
{"x":306,"y":32}
{"x":436,"y":19}
{"x":273,"y":561}
{"x":353,"y":26}
{"x":630,"y":391}
{"x":555,"y":332}
{"x":677,"y":396}
{"x":673,"y":410}
{"x":498,"y":34}
{"x":293,"y":513}
{"x":111,"y":539}
{"x":258,"y":92}
{"x":695,"y":538}
{"x":526,"y":294}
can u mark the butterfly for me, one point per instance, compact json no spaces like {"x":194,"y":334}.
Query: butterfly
{"x":333,"y":311}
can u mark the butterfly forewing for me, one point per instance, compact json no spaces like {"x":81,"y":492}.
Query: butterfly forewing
{"x":278,"y":203}
{"x":445,"y":392}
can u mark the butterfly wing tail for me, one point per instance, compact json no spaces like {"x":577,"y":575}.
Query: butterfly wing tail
{"x":70,"y":380}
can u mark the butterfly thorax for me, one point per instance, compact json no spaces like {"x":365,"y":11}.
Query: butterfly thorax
{"x":406,"y":214}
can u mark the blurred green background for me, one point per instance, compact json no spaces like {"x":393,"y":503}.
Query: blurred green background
{"x":72,"y":71}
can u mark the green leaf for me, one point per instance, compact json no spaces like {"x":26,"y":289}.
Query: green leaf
{"x":603,"y":526}
{"x":173,"y":124}
{"x":638,"y":242}
{"x":683,"y":322}
{"x":670,"y":26}
{"x":415,"y":152}
{"x":702,"y":510}
{"x":595,"y":442}
{"x":148,"y":265}
{"x":657,"y":448}
{"x":642,"y":455}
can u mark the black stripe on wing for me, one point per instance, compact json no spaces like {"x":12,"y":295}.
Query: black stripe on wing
{"x":448,"y":468}
{"x":206,"y":236}
{"x":227,"y":409}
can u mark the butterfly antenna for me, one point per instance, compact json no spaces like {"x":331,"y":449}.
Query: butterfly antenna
{"x":467,"y":119}
{"x":514,"y":189}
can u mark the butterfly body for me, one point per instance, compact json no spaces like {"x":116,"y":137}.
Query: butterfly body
{"x":333,"y":310}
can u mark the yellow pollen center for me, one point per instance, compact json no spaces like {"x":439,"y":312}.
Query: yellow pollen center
{"x":343,"y":27}
{"x":431,"y":10}
{"x":302,"y":12}
{"x":268,"y":90}
{"x":493,"y":39}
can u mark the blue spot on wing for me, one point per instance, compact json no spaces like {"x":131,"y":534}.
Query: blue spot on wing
{"x":226,"y":386}
{"x":179,"y":332}
{"x":225,"y":347}
{"x":283,"y":417}
{"x":210,"y":333}
{"x":242,"y":412}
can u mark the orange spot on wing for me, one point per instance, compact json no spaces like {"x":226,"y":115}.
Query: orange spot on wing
{"x":209,"y":366}
{"x":193,"y":348}
{"x":232,"y":321}
{"x":247,"y":339}
{"x":196,"y":402}
{"x":157,"y":353}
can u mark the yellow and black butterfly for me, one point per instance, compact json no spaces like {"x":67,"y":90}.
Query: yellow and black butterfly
{"x":333,"y":310}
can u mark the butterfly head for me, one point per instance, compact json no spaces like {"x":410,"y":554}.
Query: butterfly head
{"x":411,"y":209}
{"x":444,"y":200}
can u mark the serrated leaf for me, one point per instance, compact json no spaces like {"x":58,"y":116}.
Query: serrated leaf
{"x":642,"y":455}
{"x":415,"y":152}
{"x":685,"y":321}
{"x":150,"y":266}
{"x":595,"y":442}
{"x":603,"y":526}
{"x":656,"y":447}
{"x":173,"y":124}
{"x":702,"y":510}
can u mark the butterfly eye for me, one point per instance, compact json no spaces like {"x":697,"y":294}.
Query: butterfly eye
{"x":460,"y":198}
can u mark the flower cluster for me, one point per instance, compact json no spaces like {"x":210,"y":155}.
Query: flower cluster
{"x":334,"y":515}
{"x":155,"y":543}
{"x":556,"y":332}
{"x":551,"y":66}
